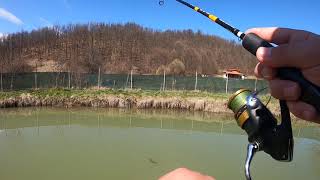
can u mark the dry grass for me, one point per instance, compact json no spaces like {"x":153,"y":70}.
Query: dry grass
{"x":139,"y":99}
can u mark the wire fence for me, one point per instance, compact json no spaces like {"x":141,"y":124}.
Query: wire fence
{"x":21,"y":81}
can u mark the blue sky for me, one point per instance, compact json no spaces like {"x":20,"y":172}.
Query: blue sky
{"x":16,"y":15}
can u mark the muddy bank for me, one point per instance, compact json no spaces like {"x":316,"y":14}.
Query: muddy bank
{"x":216,"y":105}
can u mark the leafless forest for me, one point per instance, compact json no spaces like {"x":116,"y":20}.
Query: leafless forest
{"x":119,"y":48}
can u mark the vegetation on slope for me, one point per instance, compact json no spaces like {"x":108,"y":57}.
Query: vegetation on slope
{"x":119,"y":48}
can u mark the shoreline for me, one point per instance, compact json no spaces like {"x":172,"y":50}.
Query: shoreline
{"x":130,"y":99}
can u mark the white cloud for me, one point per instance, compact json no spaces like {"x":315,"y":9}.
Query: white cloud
{"x":67,"y":4}
{"x":4,"y":14}
{"x":45,"y":22}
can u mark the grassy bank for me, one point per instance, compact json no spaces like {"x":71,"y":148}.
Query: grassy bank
{"x":141,"y":99}
{"x":96,"y":93}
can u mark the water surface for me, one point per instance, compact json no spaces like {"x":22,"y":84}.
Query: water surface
{"x":76,"y":144}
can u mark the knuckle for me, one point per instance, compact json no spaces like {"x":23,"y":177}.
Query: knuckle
{"x":285,"y":90}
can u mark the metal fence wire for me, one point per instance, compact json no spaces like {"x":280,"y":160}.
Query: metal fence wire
{"x":21,"y":81}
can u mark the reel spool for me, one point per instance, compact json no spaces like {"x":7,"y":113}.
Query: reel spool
{"x":238,"y":104}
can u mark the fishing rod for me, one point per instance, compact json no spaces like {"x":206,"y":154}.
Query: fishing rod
{"x":264,"y":133}
{"x":215,"y":19}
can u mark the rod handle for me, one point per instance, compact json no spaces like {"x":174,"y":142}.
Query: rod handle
{"x":310,"y":93}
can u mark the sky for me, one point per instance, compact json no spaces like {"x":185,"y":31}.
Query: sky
{"x":17,"y":15}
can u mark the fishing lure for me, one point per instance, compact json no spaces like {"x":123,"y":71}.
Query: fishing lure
{"x":161,"y":2}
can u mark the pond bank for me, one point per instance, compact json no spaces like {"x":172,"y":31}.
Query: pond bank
{"x":140,"y":99}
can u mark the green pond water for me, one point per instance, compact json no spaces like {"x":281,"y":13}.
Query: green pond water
{"x":82,"y":144}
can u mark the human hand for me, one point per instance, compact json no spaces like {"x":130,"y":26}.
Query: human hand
{"x":296,"y":48}
{"x":185,"y":174}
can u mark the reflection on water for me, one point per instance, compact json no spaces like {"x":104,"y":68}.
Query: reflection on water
{"x":138,"y":144}
{"x":175,"y":120}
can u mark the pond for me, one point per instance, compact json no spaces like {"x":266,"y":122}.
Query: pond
{"x":82,"y":144}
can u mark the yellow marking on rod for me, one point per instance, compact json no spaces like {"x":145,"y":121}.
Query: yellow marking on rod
{"x":212,"y":17}
{"x":196,"y":8}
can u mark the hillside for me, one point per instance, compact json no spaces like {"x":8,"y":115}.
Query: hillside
{"x":118,"y":48}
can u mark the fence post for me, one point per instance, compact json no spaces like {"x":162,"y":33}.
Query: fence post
{"x":255,"y":84}
{"x":131,"y":85}
{"x":11,"y":82}
{"x":69,"y":80}
{"x":196,"y":83}
{"x":127,"y":82}
{"x":1,"y":83}
{"x":99,"y":78}
{"x":173,"y":83}
{"x":164,"y":81}
{"x":35,"y":80}
{"x":80,"y":83}
{"x":227,"y":83}
{"x":56,"y":78}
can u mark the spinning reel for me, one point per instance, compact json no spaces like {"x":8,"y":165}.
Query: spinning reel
{"x":264,"y":133}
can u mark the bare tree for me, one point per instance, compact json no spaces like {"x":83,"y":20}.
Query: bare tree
{"x":115,"y":48}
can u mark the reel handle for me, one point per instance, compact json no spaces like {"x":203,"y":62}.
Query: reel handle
{"x":310,"y":93}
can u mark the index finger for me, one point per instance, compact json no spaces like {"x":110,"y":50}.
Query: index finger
{"x":274,"y":34}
